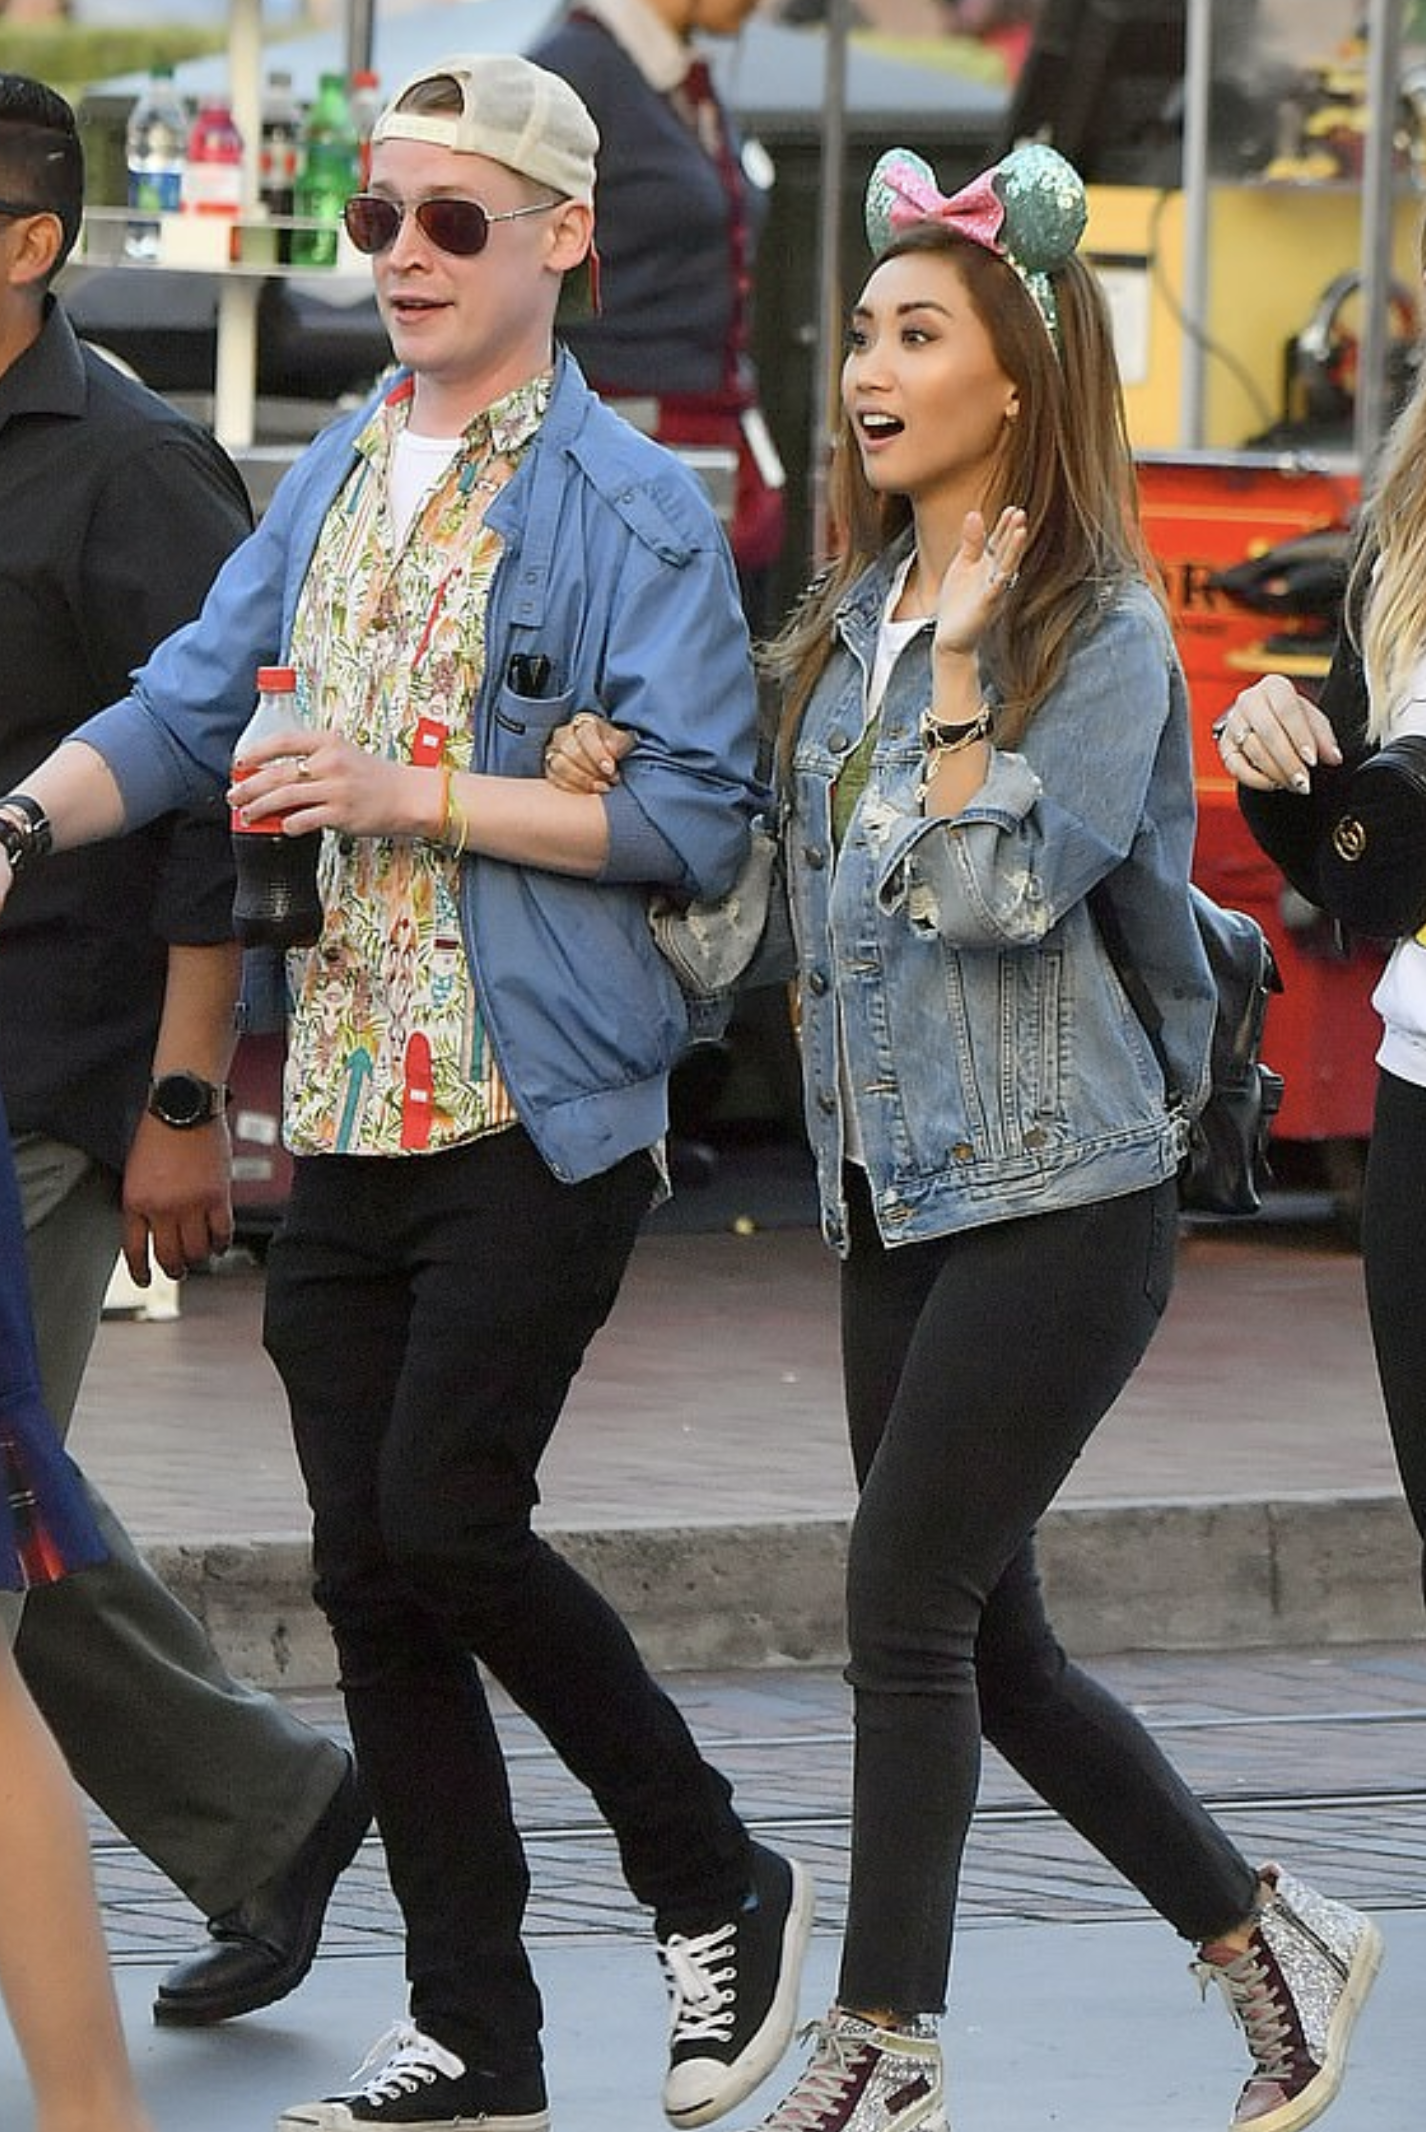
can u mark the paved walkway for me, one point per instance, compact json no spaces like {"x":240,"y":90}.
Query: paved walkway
{"x":1070,"y":2007}
{"x":713,"y":1399}
{"x":714,"y":1392}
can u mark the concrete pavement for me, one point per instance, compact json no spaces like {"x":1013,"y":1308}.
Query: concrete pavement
{"x":1085,"y":2026}
{"x":1069,"y":2006}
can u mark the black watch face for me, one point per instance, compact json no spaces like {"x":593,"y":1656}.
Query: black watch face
{"x":183,"y":1099}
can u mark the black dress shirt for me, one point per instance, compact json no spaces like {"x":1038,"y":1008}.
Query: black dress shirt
{"x":115,"y":513}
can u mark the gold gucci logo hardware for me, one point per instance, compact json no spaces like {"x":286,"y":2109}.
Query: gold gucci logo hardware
{"x":1349,"y":839}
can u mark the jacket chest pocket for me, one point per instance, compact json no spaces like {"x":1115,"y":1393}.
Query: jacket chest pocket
{"x":523,"y":725}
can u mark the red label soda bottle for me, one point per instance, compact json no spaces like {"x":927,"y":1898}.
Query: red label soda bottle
{"x":277,"y":904}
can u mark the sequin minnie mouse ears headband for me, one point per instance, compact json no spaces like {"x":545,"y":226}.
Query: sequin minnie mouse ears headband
{"x":1029,"y":209}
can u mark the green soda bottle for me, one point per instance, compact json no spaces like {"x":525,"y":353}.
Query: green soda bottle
{"x":329,"y":172}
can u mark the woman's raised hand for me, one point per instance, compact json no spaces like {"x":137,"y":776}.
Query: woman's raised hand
{"x":584,"y":756}
{"x":983,"y":569}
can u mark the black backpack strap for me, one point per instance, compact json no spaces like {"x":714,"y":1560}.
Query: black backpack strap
{"x":1140,"y":998}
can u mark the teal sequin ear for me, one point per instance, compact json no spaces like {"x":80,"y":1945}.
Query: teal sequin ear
{"x":1029,"y":209}
{"x":882,"y":196}
{"x":1045,"y":207}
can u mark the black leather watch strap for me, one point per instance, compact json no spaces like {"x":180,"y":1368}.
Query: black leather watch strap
{"x":25,"y":833}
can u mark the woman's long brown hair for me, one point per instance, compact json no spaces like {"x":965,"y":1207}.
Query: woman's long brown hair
{"x":1065,"y":459}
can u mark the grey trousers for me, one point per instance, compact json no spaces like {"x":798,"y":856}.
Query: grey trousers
{"x":215,"y":1783}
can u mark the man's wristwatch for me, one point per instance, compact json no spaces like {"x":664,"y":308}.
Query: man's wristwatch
{"x":184,"y":1100}
{"x":25,"y":833}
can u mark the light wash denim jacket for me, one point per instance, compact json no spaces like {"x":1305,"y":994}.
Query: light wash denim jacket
{"x":995,"y":1065}
{"x":615,"y":570}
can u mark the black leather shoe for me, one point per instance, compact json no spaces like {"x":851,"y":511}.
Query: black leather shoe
{"x":262,"y":1949}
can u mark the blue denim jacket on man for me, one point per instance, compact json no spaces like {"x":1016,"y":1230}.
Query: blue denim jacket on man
{"x":995,"y":1064}
{"x":614,"y":570}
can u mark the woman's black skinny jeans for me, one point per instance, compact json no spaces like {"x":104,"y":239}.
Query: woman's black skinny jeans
{"x":1393,"y":1254}
{"x":977,"y":1366}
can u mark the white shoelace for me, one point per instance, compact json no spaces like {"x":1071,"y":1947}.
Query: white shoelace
{"x":701,"y":1973}
{"x":1268,"y":2029}
{"x":823,"y":2084}
{"x":408,"y":2060}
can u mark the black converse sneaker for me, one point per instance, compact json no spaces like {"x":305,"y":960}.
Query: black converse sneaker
{"x":733,"y":1993}
{"x":418,"y":2084}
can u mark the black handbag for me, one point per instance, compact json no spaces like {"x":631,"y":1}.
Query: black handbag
{"x":1371,"y":860}
{"x":1225,"y":1168}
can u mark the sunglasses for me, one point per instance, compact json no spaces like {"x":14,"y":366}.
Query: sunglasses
{"x":461,"y":227}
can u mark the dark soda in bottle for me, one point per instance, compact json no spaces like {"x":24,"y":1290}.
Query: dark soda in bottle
{"x":276,"y":904}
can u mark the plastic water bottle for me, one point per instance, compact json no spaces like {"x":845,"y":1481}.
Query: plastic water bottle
{"x":328,"y":177}
{"x":366,"y":110}
{"x":276,"y":904}
{"x":280,"y":154}
{"x":213,"y":181}
{"x":156,"y":150}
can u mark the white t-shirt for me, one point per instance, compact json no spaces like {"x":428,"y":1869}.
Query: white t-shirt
{"x":416,"y":466}
{"x":892,"y":638}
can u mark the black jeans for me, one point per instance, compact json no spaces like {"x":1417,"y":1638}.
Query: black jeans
{"x":1393,"y":1243}
{"x":427,"y":1315}
{"x":977,"y":1367}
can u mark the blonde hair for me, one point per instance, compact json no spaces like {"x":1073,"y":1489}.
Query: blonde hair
{"x":1386,"y":590}
{"x":1066,"y":459}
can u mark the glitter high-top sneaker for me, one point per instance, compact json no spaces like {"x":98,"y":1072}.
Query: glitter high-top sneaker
{"x":1296,"y":1993}
{"x":861,"y":2078}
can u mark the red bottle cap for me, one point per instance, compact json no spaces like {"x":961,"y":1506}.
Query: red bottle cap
{"x":276,"y":677}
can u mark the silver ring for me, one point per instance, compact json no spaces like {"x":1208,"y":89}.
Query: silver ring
{"x":994,"y":577}
{"x":304,"y":766}
{"x":1242,"y":737}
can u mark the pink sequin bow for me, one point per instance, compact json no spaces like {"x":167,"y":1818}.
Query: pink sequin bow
{"x":1029,"y":209}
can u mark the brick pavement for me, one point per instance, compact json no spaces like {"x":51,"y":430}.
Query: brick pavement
{"x":714,"y":1393}
{"x":1319,"y":1758}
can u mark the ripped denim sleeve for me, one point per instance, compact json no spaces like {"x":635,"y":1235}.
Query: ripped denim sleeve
{"x":975,"y":877}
